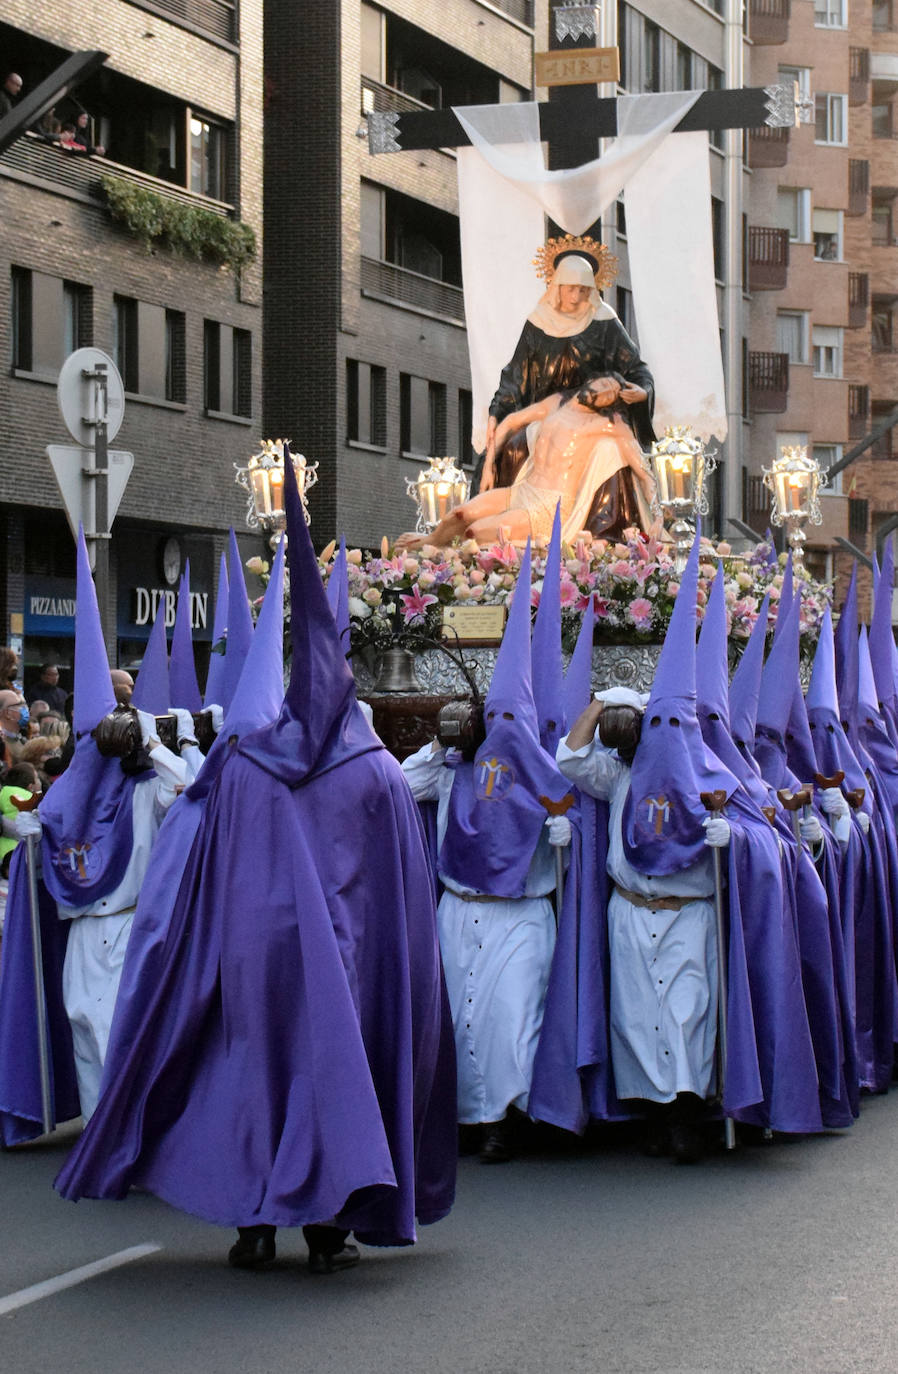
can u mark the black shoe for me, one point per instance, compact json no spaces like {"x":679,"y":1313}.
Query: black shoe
{"x":687,"y":1142}
{"x":329,"y":1262}
{"x":254,"y":1248}
{"x":656,"y":1136}
{"x":494,"y":1149}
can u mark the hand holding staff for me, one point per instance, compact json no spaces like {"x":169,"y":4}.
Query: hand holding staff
{"x":40,"y":1000}
{"x":714,"y":802}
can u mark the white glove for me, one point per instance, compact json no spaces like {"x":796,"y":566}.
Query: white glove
{"x":863,"y":821}
{"x":217,"y":715}
{"x":559,"y":828}
{"x":811,"y":830}
{"x":147,"y":727}
{"x":833,"y":803}
{"x":186,"y":730}
{"x":717,"y":832}
{"x":28,"y":823}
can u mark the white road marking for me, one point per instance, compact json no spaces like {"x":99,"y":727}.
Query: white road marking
{"x":73,"y":1277}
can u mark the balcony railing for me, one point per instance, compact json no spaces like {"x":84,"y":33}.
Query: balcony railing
{"x":768,"y":382}
{"x":522,"y":10}
{"x":387,"y":282}
{"x":858,"y":411}
{"x":33,"y":160}
{"x":768,"y":258}
{"x":858,"y":76}
{"x":768,"y":147}
{"x":217,"y":18}
{"x":858,"y":299}
{"x":380,"y":99}
{"x":755,"y":502}
{"x":858,"y":186}
{"x":768,"y":20}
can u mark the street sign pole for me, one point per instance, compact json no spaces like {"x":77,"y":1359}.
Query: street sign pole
{"x":96,"y":470}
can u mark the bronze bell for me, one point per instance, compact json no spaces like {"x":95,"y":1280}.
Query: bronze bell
{"x":397,"y":672}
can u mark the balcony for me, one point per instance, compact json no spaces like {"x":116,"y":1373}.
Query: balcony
{"x":858,"y":299}
{"x":521,"y":10}
{"x":768,"y":21}
{"x":768,"y":382}
{"x":768,"y":147}
{"x":858,"y":186}
{"x":858,"y":411}
{"x":768,"y":258}
{"x":836,"y":520}
{"x":384,"y":281}
{"x":32,"y":160}
{"x":216,"y":18}
{"x":858,"y":76}
{"x":884,"y":72}
{"x":380,"y":99}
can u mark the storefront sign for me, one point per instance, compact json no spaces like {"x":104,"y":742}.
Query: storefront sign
{"x":145,"y":603}
{"x":49,"y":606}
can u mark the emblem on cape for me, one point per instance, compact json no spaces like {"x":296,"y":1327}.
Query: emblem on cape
{"x":79,"y":860}
{"x":653,"y":814}
{"x":493,"y":779}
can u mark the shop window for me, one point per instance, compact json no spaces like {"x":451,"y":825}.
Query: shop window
{"x":366,"y":404}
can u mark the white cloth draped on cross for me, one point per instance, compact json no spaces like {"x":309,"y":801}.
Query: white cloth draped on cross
{"x":504,"y":192}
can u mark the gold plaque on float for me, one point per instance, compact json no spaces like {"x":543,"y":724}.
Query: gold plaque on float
{"x":576,"y":66}
{"x":473,"y":624}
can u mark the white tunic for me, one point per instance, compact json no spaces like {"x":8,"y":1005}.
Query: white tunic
{"x":99,"y":934}
{"x":496,"y":957}
{"x":663,"y":963}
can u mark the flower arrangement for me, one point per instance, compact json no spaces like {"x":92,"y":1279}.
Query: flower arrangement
{"x":399,"y":598}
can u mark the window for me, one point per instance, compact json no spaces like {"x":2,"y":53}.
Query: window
{"x":124,"y":340}
{"x":207,"y":148}
{"x":684,"y":68}
{"x":827,"y":348}
{"x":830,"y":14}
{"x":801,"y":75}
{"x":826,"y":455}
{"x":792,"y":334}
{"x":651,"y":51}
{"x":882,"y":16}
{"x":884,"y":449}
{"x":49,"y":319}
{"x":227,"y":370}
{"x":467,"y":456}
{"x":626,"y":312}
{"x":366,"y":404}
{"x":715,"y":83}
{"x":422,"y":416}
{"x":793,"y":212}
{"x":175,"y":357}
{"x":881,"y":228}
{"x":881,"y":327}
{"x":881,"y":119}
{"x":831,"y":119}
{"x":827,"y":231}
{"x":717,"y":236}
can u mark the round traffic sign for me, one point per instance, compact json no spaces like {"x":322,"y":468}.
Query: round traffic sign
{"x":77,"y":395}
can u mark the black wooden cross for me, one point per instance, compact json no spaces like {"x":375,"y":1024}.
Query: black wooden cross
{"x":574,"y":117}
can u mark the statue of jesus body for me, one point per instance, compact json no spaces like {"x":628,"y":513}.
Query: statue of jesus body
{"x":579,"y":445}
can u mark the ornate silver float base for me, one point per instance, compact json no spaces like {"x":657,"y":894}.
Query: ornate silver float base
{"x":613,"y":665}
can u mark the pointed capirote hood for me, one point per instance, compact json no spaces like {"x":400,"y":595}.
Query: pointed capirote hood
{"x":578,"y":678}
{"x":240,"y":625}
{"x":712,"y":676}
{"x":216,"y":673}
{"x":867,"y":699}
{"x":882,"y":640}
{"x":545,"y":651}
{"x":846,"y":651}
{"x":260,"y":691}
{"x":779,"y":674}
{"x":663,"y":811}
{"x":94,"y":694}
{"x":787,"y":592}
{"x":338,"y":595}
{"x":151,"y":690}
{"x":822,"y":692}
{"x":184,"y":690}
{"x":746,"y":685}
{"x":511,"y":686}
{"x":320,"y":724}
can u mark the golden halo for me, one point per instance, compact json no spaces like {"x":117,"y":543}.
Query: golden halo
{"x":605,"y":262}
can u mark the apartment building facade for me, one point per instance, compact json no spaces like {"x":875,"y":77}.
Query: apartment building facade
{"x":178,"y":108}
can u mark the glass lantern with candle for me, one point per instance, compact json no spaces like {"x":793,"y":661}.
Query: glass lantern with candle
{"x":794,"y":481}
{"x":681,"y":465}
{"x":263,"y":479}
{"x":438,"y":489}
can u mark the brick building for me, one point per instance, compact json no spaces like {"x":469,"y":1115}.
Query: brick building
{"x":822,"y":367}
{"x":178,"y":106}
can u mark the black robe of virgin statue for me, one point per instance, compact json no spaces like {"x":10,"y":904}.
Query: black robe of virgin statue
{"x":543,"y":364}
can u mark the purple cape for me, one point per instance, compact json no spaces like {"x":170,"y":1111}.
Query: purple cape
{"x":21,"y":1117}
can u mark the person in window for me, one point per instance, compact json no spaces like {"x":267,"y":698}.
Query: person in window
{"x":9,"y":92}
{"x":75,"y":138}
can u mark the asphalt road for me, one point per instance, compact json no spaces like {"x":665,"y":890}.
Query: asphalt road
{"x":776,"y":1258}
